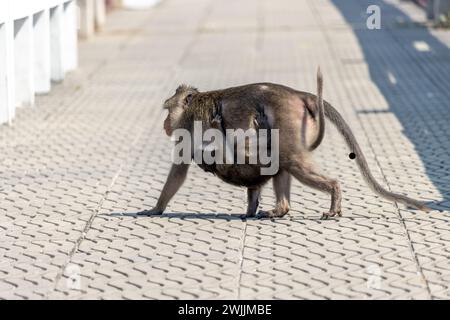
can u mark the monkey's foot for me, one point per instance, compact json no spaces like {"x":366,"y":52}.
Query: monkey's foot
{"x":270,"y":214}
{"x":248,"y":215}
{"x":331,"y":214}
{"x":151,"y":212}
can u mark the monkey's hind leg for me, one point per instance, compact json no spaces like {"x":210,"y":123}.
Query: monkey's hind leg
{"x":253,"y":195}
{"x":282,"y":189}
{"x":307,"y":175}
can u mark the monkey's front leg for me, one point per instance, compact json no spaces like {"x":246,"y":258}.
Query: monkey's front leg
{"x":176,"y":177}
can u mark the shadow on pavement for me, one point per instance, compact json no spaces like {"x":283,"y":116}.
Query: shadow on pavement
{"x":215,"y":216}
{"x":411,"y":69}
{"x":234,"y":216}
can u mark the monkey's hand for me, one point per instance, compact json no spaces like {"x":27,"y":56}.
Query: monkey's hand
{"x":151,"y":212}
{"x":216,"y":121}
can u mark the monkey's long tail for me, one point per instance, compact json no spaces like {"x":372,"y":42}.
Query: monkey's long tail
{"x":333,"y":115}
{"x":320,"y":112}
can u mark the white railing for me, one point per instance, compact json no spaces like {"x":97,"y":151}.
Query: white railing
{"x":139,"y":4}
{"x":38,"y":45}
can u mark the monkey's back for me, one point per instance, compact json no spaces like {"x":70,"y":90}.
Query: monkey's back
{"x":274,"y":106}
{"x":285,"y":109}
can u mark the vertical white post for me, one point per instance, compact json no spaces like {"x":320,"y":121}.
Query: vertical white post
{"x":10,"y":68}
{"x":3,"y":63}
{"x":70,"y":26}
{"x":42,"y":71}
{"x":3,"y":84}
{"x":87,"y":25}
{"x":7,"y":65}
{"x":56,"y":43}
{"x":7,"y":82}
{"x":24,"y":61}
{"x":138,"y":4}
{"x":100,"y":14}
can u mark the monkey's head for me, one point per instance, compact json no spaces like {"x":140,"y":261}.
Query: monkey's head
{"x":177,"y":105}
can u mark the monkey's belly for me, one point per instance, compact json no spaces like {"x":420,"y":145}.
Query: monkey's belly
{"x":242,"y":175}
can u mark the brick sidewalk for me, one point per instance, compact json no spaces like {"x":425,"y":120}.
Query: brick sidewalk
{"x":76,"y":169}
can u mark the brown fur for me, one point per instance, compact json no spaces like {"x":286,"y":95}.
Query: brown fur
{"x":300,"y":118}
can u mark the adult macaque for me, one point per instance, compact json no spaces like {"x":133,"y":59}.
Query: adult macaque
{"x":300,"y":120}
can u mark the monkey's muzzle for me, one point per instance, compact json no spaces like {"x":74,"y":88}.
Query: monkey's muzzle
{"x":167,"y":126}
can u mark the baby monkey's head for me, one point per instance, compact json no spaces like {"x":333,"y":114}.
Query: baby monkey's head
{"x":176,"y":105}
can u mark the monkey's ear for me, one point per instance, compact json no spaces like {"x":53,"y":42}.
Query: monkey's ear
{"x":188,"y":100}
